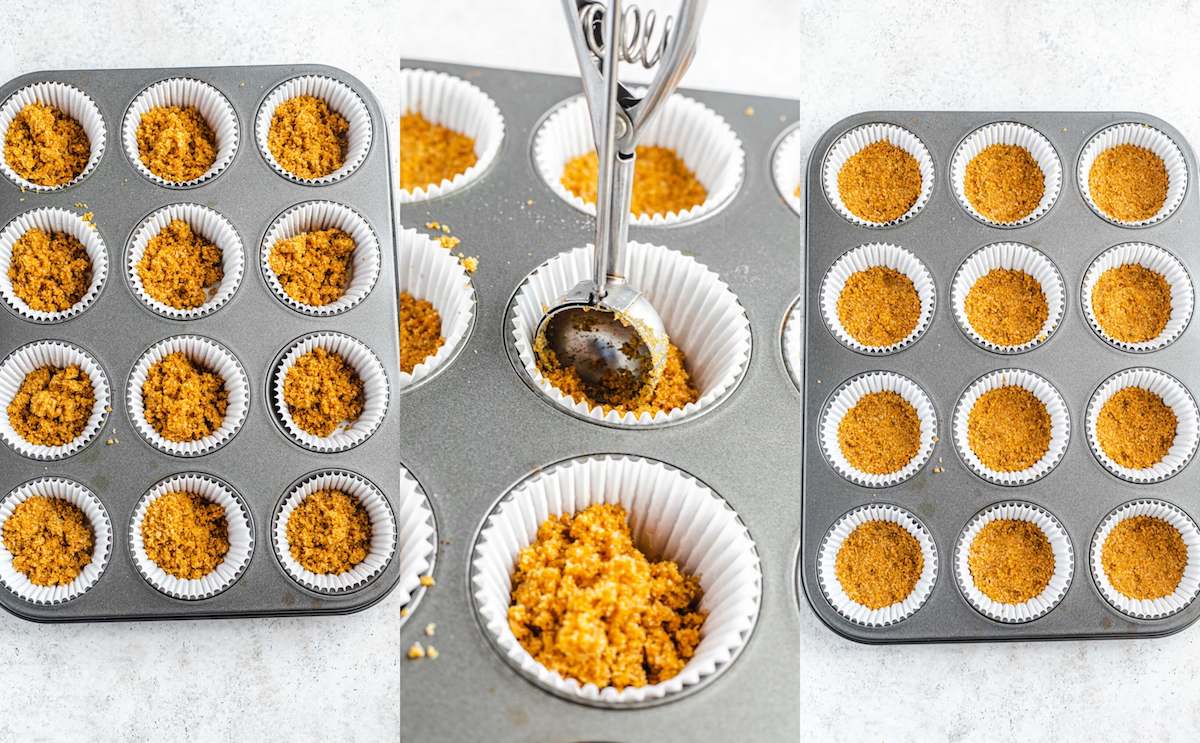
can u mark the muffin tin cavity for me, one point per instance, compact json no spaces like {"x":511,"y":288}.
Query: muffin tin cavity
{"x":1158,"y":261}
{"x":57,"y":355}
{"x":184,"y":93}
{"x":68,"y":99}
{"x":1008,"y":134}
{"x":429,"y":272}
{"x":342,"y":100}
{"x":51,"y":220}
{"x":856,"y":140}
{"x":1147,"y":137}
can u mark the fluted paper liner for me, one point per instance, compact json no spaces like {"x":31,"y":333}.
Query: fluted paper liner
{"x":61,"y":354}
{"x":341,"y":98}
{"x":857,"y":139}
{"x":53,"y":219}
{"x":1147,"y":137}
{"x":208,"y":224}
{"x":1055,"y":590}
{"x":701,"y":315}
{"x":417,"y":538}
{"x":240,"y":533}
{"x":868,"y":256}
{"x":71,"y":101}
{"x":672,"y":516}
{"x":793,"y":342}
{"x":831,"y":587}
{"x":375,"y":391}
{"x":1014,"y":257}
{"x":697,"y":134}
{"x":1161,"y":262}
{"x":383,"y":532}
{"x":1189,"y":585}
{"x":97,"y":518}
{"x":1175,"y":396}
{"x":210,"y":355}
{"x":458,"y":105}
{"x":184,"y":92}
{"x":430,"y":272}
{"x":1008,"y":133}
{"x":787,"y":168}
{"x":847,"y":396}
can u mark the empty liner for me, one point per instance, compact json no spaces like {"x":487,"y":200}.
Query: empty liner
{"x":1189,"y":585}
{"x":856,"y":140}
{"x":1013,"y":257}
{"x":868,"y":256}
{"x":1154,"y":259}
{"x":787,"y":168}
{"x":417,"y":539}
{"x":60,"y":354}
{"x":1008,"y":133}
{"x":53,"y":219}
{"x":1175,"y":396}
{"x":430,"y":272}
{"x":341,"y":98}
{"x":1147,"y":137}
{"x":184,"y":92}
{"x":71,"y":101}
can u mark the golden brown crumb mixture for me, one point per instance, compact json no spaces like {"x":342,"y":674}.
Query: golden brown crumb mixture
{"x":1131,"y":303}
{"x":179,"y":267}
{"x":1136,"y":428}
{"x":52,"y":406}
{"x":308,"y":138}
{"x":176,"y":143}
{"x":45,"y":146}
{"x":1129,"y":183}
{"x":1004,"y":183}
{"x":322,"y":392}
{"x":329,"y":532}
{"x":314,"y":268}
{"x":1008,"y":428}
{"x":674,"y":390}
{"x":1011,"y":561}
{"x":588,"y":604}
{"x":49,"y":271}
{"x":431,"y":153}
{"x":1007,"y":307}
{"x":880,"y":182}
{"x":880,"y":434}
{"x":420,"y":331}
{"x":879,"y":564}
{"x":185,"y":534}
{"x":879,"y":306}
{"x":50,"y":540}
{"x":1144,"y":557}
{"x":662,"y":182}
{"x":182,"y":400}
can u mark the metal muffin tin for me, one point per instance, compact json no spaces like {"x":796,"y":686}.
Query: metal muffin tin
{"x":261,"y":461}
{"x":944,"y":361}
{"x":477,"y":428}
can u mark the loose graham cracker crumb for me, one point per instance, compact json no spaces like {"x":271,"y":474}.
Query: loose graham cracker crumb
{"x":183,"y":401}
{"x":1004,"y":183}
{"x":50,"y":540}
{"x":1131,"y":303}
{"x":1136,"y":428}
{"x":314,"y":268}
{"x":674,"y":389}
{"x":1011,"y":561}
{"x":329,"y":532}
{"x":1128,"y":183}
{"x":52,"y":406}
{"x":179,"y":267}
{"x":1007,"y":307}
{"x":308,"y":138}
{"x":322,"y":392}
{"x":588,"y":604}
{"x":880,"y":434}
{"x":1008,"y":428}
{"x":662,"y":182}
{"x":879,"y":564}
{"x":431,"y":153}
{"x":176,"y":143}
{"x":880,"y":182}
{"x":50,"y":271}
{"x":1144,"y":557}
{"x":46,"y":146}
{"x":879,"y":306}
{"x":420,"y":331}
{"x":185,"y":534}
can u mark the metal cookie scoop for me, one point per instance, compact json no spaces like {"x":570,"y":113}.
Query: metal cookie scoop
{"x":603,"y":328}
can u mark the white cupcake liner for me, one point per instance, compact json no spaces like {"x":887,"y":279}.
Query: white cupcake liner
{"x":430,"y":272}
{"x":97,"y":517}
{"x":787,"y":168}
{"x":1055,"y":590}
{"x":53,"y":219}
{"x":341,"y":98}
{"x":1014,"y":257}
{"x":210,"y":355}
{"x":1008,"y":133}
{"x":702,"y":316}
{"x":1161,"y":262}
{"x":793,"y":342}
{"x":1175,"y":396}
{"x":209,"y":225}
{"x":698,"y":135}
{"x":312,"y":216}
{"x":61,"y":354}
{"x":1147,"y":137}
{"x":831,"y":587}
{"x":184,"y":92}
{"x":868,"y":256}
{"x":458,"y":105}
{"x":847,"y":396}
{"x":672,"y":516}
{"x":857,"y":139}
{"x":1189,"y":585}
{"x":375,"y":391}
{"x":417,"y":539}
{"x":71,"y":101}
{"x":241,"y":538}
{"x":383,"y":532}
